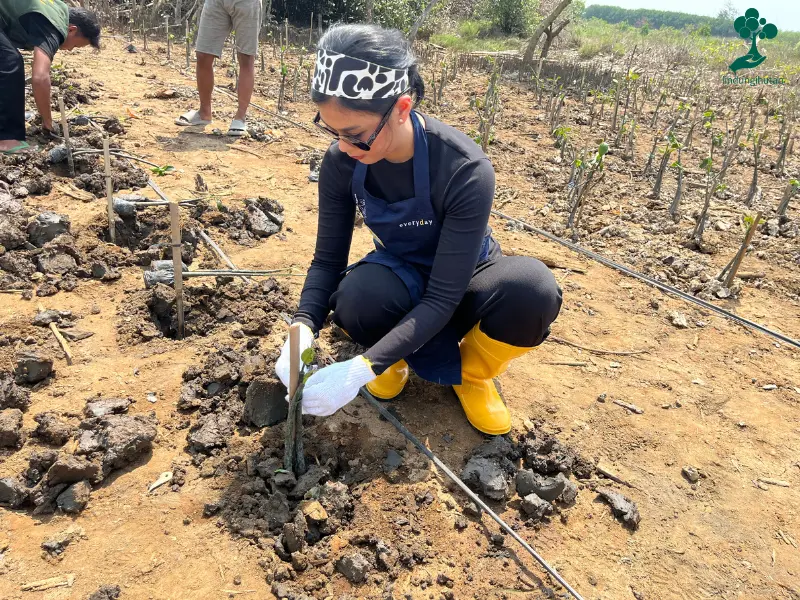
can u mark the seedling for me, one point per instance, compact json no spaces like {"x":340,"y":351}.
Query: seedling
{"x":162,"y":171}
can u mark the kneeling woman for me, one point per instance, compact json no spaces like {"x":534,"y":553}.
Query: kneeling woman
{"x":436,"y":294}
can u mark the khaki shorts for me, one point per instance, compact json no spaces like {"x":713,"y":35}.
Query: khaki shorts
{"x":220,"y":17}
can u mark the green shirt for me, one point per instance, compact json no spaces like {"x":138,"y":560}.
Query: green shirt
{"x":55,"y":11}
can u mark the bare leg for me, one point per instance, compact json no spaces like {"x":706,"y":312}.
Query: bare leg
{"x":205,"y":83}
{"x":247,"y":76}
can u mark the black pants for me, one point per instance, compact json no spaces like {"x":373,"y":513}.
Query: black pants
{"x":515,"y":298}
{"x":12,"y":91}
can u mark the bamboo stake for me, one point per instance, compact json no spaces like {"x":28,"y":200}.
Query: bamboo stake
{"x":65,"y":131}
{"x":293,"y":458}
{"x":175,"y":222}
{"x":169,"y":41}
{"x":311,"y":29}
{"x":737,"y":261}
{"x":112,"y":234}
{"x":263,"y":66}
{"x":294,"y":358}
{"x":188,"y":61}
{"x":205,"y":237}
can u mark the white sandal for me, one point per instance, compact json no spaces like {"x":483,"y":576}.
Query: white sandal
{"x":191,"y":119}
{"x":237,"y":129}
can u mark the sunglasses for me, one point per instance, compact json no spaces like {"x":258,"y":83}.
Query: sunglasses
{"x":353,"y":140}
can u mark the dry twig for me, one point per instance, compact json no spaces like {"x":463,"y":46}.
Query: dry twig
{"x":595,"y":350}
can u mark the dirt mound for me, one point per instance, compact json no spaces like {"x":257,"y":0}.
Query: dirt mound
{"x":150,"y":314}
{"x":53,"y":263}
{"x":63,"y":479}
{"x":32,"y":174}
{"x":260,"y":218}
{"x":25,"y":174}
{"x":144,"y":235}
{"x":13,"y":395}
{"x":90,"y":174}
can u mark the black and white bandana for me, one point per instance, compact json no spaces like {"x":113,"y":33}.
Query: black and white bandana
{"x":357,"y":79}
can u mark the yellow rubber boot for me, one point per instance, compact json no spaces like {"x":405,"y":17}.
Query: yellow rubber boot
{"x":482,"y":359}
{"x":391,"y":382}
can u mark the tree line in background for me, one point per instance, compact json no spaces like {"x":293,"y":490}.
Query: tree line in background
{"x":721,"y":25}
{"x":496,"y":17}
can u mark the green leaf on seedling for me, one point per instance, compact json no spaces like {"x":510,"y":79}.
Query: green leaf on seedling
{"x":163,"y":170}
{"x":307,"y":356}
{"x":281,"y":471}
{"x":307,"y":375}
{"x":706,"y":164}
{"x":794,"y":183}
{"x":602,"y":149}
{"x":748,"y":221}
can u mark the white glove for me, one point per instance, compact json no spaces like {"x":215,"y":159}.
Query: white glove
{"x":329,"y":389}
{"x":282,"y":364}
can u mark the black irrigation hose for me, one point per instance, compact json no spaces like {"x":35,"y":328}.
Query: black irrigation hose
{"x":472,"y":496}
{"x":650,"y":281}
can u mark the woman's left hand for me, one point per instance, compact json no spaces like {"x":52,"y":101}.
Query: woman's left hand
{"x":329,"y":389}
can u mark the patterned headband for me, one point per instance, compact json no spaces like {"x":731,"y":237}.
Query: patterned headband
{"x":357,"y":79}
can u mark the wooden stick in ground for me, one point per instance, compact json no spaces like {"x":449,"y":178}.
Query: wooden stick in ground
{"x":65,"y":132}
{"x":175,"y":223}
{"x":631,"y":407}
{"x":169,"y":40}
{"x":60,"y":338}
{"x":48,"y":584}
{"x":112,"y":233}
{"x":742,"y":251}
{"x":62,"y":342}
{"x":605,"y":472}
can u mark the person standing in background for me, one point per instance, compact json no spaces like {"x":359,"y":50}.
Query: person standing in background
{"x":218,"y":19}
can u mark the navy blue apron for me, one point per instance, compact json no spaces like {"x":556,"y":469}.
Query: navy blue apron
{"x":406,"y":235}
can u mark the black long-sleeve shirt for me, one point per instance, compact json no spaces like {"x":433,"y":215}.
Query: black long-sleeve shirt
{"x":462,"y":190}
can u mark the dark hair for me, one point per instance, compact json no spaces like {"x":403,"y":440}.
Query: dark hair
{"x":86,"y":21}
{"x":384,"y":47}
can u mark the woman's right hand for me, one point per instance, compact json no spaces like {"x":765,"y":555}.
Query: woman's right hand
{"x":282,"y":364}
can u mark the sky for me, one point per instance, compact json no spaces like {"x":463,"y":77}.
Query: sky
{"x":785,"y":14}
